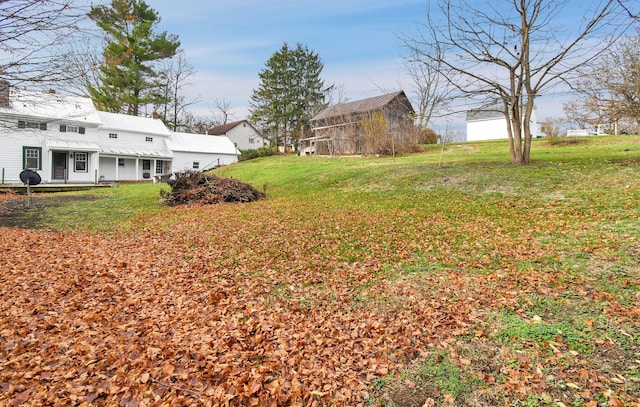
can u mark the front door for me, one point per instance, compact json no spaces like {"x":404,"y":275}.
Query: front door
{"x":59,"y":165}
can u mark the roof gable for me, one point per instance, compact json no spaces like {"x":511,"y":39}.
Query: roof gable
{"x":50,"y":106}
{"x":362,"y":106}
{"x":223,"y":129}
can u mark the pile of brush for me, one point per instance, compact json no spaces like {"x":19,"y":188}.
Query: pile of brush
{"x":197,"y":188}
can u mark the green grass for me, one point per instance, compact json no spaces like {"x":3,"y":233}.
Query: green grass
{"x":571,"y":219}
{"x":106,"y":210}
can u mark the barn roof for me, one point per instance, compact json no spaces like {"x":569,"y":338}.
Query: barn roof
{"x":361,"y":106}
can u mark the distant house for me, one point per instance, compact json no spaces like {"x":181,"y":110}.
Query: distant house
{"x":338,"y":129}
{"x":199,"y":152}
{"x":55,"y":135}
{"x":132,"y":148}
{"x":490,"y":124}
{"x":242,"y":133}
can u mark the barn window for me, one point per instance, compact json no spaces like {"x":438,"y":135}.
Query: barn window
{"x":148,"y":139}
{"x":196,"y":165}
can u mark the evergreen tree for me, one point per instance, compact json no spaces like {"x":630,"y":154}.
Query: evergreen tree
{"x":128,"y":79}
{"x":290,"y":93}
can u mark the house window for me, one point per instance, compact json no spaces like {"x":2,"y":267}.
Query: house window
{"x":32,"y":158}
{"x":64,"y":128}
{"x":120,"y":162}
{"x":146,"y":165}
{"x":31,"y":125}
{"x":252,"y":140}
{"x":196,"y":165}
{"x":159,"y":167}
{"x":80,"y":160}
{"x":149,"y":139}
{"x":113,"y":135}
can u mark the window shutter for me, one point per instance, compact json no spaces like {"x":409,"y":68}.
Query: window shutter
{"x":81,"y":130}
{"x":63,"y":128}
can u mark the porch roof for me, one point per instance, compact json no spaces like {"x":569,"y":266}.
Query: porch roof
{"x":72,"y":145}
{"x":118,"y":151}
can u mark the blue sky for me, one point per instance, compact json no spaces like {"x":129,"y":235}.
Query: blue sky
{"x":229,"y":42}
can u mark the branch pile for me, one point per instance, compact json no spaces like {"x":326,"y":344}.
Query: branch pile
{"x":196,"y":187}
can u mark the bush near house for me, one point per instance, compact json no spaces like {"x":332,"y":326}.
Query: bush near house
{"x":260,"y":152}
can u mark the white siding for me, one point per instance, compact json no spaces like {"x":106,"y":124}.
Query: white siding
{"x":491,"y":129}
{"x":13,"y":141}
{"x":242,"y":135}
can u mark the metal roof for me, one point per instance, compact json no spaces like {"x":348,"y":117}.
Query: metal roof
{"x":136,"y":124}
{"x":50,"y":106}
{"x":201,"y":143}
{"x":361,"y":106}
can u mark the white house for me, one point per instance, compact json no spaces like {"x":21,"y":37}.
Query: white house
{"x":132,"y":148}
{"x":490,"y":124}
{"x":66,"y":140}
{"x":242,"y":133}
{"x":56,"y":135}
{"x":199,"y":152}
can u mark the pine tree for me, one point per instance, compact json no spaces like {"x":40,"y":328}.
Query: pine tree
{"x":127,"y":77}
{"x":290,"y":93}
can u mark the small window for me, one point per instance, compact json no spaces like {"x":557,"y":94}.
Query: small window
{"x":149,"y":139}
{"x":113,"y":135}
{"x":80,"y":160}
{"x":64,"y":128}
{"x":159,"y":167}
{"x":31,"y":125}
{"x":32,"y":158}
{"x":120,"y":162}
{"x":196,"y":165}
{"x":252,"y":140}
{"x":146,"y":165}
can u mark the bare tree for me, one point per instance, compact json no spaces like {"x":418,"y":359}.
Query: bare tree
{"x":610,"y":87}
{"x":433,"y":93}
{"x":223,"y":112}
{"x":510,"y":51}
{"x":32,"y":34}
{"x":174,"y":78}
{"x":632,"y":13}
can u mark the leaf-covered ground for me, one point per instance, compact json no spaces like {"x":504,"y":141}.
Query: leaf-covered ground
{"x":313,"y":303}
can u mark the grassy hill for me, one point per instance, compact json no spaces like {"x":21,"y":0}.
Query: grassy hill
{"x":449,"y":277}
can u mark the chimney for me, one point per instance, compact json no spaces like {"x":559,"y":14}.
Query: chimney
{"x":5,"y":91}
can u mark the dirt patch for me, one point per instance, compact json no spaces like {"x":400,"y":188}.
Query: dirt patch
{"x":14,"y":211}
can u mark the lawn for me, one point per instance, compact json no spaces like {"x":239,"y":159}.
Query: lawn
{"x":448,"y":277}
